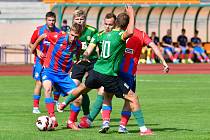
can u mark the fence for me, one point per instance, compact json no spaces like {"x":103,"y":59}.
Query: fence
{"x":15,"y":54}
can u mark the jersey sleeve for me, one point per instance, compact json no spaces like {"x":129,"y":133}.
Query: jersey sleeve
{"x":34,"y":36}
{"x":94,"y":40}
{"x":146,"y":39}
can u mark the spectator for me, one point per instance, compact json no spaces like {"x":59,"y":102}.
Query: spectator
{"x":169,"y":49}
{"x":198,"y":49}
{"x":65,"y":27}
{"x":182,"y":44}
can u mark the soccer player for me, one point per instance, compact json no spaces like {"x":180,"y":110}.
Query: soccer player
{"x":182,"y":43}
{"x":79,"y":69}
{"x":128,"y":74}
{"x":58,"y":63}
{"x":105,"y":72}
{"x":109,"y":24}
{"x":169,"y":49}
{"x":198,"y":49}
{"x":40,"y":53}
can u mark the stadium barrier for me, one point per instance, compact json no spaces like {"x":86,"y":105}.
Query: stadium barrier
{"x":15,"y":54}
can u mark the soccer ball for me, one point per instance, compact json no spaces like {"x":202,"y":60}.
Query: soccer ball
{"x":44,"y":123}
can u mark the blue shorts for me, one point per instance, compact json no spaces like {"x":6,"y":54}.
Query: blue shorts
{"x":168,"y":49}
{"x":184,"y":49}
{"x":37,"y":71}
{"x":129,"y":79}
{"x":61,"y":81}
{"x":198,"y":49}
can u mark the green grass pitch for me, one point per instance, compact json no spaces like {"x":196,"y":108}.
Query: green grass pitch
{"x":175,"y":107}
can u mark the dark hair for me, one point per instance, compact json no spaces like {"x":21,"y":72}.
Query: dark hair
{"x":196,"y":31}
{"x":77,"y":28}
{"x":65,"y":21}
{"x":50,"y":14}
{"x":110,"y":15}
{"x":183,"y":30}
{"x":122,"y":20}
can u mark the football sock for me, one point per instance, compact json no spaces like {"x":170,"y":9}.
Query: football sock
{"x":56,"y":95}
{"x":85,"y":104}
{"x":125,"y":115}
{"x":176,"y":55}
{"x":153,"y":55}
{"x":69,"y":98}
{"x":106,"y":111}
{"x":95,"y":109}
{"x":200,"y":58}
{"x":182,"y":56}
{"x":139,"y":117}
{"x":74,"y":111}
{"x":50,"y":106}
{"x":171,"y":58}
{"x":36,"y":99}
{"x":190,"y":55}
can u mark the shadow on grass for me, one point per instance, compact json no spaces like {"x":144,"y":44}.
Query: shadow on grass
{"x":163,"y":129}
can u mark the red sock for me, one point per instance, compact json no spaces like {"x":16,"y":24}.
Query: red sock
{"x":73,"y":116}
{"x":183,"y":56}
{"x":171,"y":58}
{"x":50,"y":109}
{"x":124,"y":120}
{"x":190,"y":55}
{"x":176,"y":55}
{"x":153,"y":55}
{"x":200,"y":58}
{"x":36,"y":103}
{"x":106,"y":115}
{"x":56,"y":97}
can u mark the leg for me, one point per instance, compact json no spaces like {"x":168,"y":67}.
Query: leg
{"x":106,"y":112}
{"x":49,"y":101}
{"x":36,"y":97}
{"x":125,"y":116}
{"x":135,"y":108}
{"x":86,"y":121}
{"x":72,"y":95}
{"x":74,"y":111}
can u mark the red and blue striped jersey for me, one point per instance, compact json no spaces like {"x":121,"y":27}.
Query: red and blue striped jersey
{"x":133,"y":51}
{"x":44,"y":44}
{"x":60,"y":53}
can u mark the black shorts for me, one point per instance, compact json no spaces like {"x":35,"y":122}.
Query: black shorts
{"x":111,"y":84}
{"x":79,"y":70}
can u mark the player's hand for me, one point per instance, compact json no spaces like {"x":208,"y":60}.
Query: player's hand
{"x":165,"y":68}
{"x":129,"y":10}
{"x":40,"y":54}
{"x":83,"y":60}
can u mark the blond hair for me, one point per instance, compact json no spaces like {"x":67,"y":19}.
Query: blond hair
{"x":79,"y":13}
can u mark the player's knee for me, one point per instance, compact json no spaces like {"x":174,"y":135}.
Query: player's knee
{"x":38,"y":84}
{"x":78,"y":100}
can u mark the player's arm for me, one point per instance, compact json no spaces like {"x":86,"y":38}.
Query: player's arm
{"x":160,"y":56}
{"x":33,"y":39}
{"x":129,"y":31}
{"x":39,"y":39}
{"x":91,"y":46}
{"x":88,"y":51}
